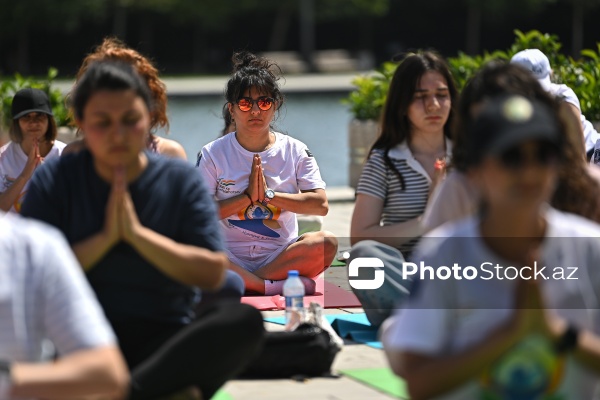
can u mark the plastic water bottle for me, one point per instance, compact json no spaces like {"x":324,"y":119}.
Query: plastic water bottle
{"x":293,"y":291}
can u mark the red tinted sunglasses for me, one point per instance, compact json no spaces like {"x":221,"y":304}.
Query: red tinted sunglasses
{"x":264,"y":103}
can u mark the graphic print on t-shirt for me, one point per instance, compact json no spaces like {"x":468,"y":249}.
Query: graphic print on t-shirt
{"x":530,"y":370}
{"x":6,"y":183}
{"x":259,"y":219}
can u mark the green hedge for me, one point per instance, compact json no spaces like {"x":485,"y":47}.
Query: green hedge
{"x":582,"y":75}
{"x":9,"y":87}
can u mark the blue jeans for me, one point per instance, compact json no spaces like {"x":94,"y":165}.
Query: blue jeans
{"x":380,"y":303}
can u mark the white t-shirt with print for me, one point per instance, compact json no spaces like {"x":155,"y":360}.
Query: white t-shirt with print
{"x":289,"y":167}
{"x":445,"y":317}
{"x":12,"y":162}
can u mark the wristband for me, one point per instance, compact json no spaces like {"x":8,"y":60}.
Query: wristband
{"x":568,"y":340}
{"x":249,"y":197}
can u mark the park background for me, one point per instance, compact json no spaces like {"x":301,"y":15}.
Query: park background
{"x":199,"y":36}
{"x":325,"y":49}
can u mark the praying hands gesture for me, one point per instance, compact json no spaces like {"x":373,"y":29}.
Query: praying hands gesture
{"x":256,"y":183}
{"x":177,"y":260}
{"x":34,"y":159}
{"x":10,"y":196}
{"x":121,"y":221}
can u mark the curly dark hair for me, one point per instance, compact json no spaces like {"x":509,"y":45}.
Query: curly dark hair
{"x":252,"y":71}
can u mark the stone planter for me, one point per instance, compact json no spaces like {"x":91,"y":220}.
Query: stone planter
{"x":361,"y":136}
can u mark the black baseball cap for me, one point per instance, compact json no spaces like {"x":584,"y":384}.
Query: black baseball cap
{"x":30,"y":100}
{"x":508,"y":120}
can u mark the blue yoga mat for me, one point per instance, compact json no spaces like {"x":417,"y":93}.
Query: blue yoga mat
{"x":355,"y":327}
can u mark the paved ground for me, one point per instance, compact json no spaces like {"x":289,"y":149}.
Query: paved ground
{"x":352,"y":355}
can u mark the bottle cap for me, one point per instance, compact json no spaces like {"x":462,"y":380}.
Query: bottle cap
{"x":293,"y":272}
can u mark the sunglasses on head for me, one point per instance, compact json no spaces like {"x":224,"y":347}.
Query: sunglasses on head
{"x":516,"y":157}
{"x":264,"y":103}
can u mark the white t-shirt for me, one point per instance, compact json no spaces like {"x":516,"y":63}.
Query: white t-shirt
{"x":289,"y":167}
{"x":44,"y":295}
{"x":12,"y":162}
{"x":564,"y":92}
{"x":444,"y":317}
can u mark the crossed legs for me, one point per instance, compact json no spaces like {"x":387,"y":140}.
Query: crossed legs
{"x":311,"y":254}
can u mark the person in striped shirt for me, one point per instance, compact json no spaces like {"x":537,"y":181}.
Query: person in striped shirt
{"x":403,"y":166}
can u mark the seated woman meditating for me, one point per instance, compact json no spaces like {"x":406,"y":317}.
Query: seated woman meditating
{"x":261,"y":179}
{"x":404,"y":165}
{"x":33,"y":140}
{"x":143,"y":227}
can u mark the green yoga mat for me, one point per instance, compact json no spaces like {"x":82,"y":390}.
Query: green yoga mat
{"x":338,"y":263}
{"x":382,"y":379}
{"x":221,"y":395}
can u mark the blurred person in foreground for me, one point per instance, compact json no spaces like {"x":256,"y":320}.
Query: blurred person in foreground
{"x":512,"y":333}
{"x":45,"y":296}
{"x":578,"y":186}
{"x":113,"y":49}
{"x":144,"y":229}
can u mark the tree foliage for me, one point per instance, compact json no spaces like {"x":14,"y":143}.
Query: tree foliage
{"x":63,"y":15}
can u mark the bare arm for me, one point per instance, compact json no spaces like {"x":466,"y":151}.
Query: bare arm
{"x":311,"y":202}
{"x":90,"y":250}
{"x":100,"y":371}
{"x":171,"y":148}
{"x":11,"y":195}
{"x":188,"y":264}
{"x":366,"y":219}
{"x":427,"y":376}
{"x":232,"y":205}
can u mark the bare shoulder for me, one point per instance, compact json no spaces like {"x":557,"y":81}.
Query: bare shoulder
{"x":74,"y":147}
{"x":170,"y":148}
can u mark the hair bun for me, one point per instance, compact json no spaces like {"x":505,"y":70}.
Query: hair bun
{"x":245,"y":59}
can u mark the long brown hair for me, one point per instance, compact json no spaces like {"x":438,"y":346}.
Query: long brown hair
{"x":395,"y":125}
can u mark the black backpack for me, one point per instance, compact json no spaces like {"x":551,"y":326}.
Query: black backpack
{"x":307,"y":351}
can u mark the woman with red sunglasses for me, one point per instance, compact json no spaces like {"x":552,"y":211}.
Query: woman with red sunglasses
{"x":261,"y":179}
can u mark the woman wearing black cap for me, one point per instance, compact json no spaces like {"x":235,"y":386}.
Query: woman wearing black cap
{"x":33,"y":139}
{"x":517,"y":315}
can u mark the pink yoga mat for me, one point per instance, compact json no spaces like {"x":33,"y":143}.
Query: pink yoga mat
{"x":327,"y":295}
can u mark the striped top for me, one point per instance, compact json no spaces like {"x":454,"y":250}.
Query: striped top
{"x":378,"y":180}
